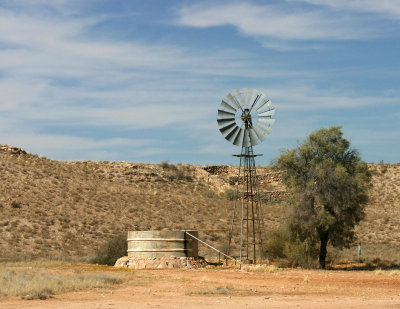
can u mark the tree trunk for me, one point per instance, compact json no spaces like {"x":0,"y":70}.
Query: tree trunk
{"x":324,"y":237}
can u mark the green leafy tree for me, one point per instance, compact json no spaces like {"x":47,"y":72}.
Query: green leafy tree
{"x":328,"y":182}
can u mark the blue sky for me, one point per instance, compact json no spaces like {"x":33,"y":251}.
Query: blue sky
{"x":142,"y":80}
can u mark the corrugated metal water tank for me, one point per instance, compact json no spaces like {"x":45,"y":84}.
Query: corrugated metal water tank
{"x":154,"y":244}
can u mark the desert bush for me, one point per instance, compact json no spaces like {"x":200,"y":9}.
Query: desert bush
{"x":261,"y":268}
{"x":175,"y":173}
{"x":212,"y":291}
{"x":277,"y":242}
{"x":37,"y":283}
{"x":167,"y":166}
{"x":230,"y":194}
{"x":111,"y":250}
{"x":180,"y":175}
{"x":287,"y":251}
{"x":15,"y":204}
{"x":210,"y":193}
{"x":302,"y":253}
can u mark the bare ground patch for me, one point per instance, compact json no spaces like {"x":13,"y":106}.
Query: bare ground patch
{"x":232,"y":288}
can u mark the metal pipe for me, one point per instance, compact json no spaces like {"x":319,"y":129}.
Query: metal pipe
{"x":204,"y":243}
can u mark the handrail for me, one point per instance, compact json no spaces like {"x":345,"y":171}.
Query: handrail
{"x":204,"y":243}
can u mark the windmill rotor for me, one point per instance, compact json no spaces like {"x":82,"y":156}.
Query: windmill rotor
{"x":245,"y":117}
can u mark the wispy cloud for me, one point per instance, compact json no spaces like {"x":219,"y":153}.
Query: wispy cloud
{"x":308,"y":98}
{"x":385,"y":8}
{"x":53,"y":70}
{"x":271,"y":20}
{"x":284,"y":27}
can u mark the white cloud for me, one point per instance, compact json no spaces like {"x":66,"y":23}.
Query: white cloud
{"x":52,"y":71}
{"x":17,"y":91}
{"x":141,"y":117}
{"x":386,"y":8}
{"x":274,"y":21}
{"x":307,"y":98}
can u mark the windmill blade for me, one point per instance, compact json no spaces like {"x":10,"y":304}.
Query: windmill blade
{"x":222,"y":113}
{"x":267,"y":130}
{"x":260,"y":134}
{"x":233,"y":101}
{"x":253,"y":137}
{"x":231,"y":134}
{"x":259,"y":101}
{"x":225,"y":121}
{"x":266,"y":121}
{"x":254,"y":101}
{"x":239,"y":97}
{"x":246,"y":138}
{"x":270,"y":112}
{"x":253,"y":98}
{"x":239,"y":137}
{"x":246,"y":95}
{"x":224,"y":130}
{"x":266,"y":104}
{"x":228,"y":107}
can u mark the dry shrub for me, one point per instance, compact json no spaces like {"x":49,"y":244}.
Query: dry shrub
{"x":392,"y":273}
{"x":39,"y":283}
{"x":15,"y":204}
{"x":277,"y":242}
{"x":230,"y":194}
{"x":167,"y":166}
{"x":287,"y":252}
{"x":111,"y":250}
{"x":261,"y":268}
{"x":212,"y":291}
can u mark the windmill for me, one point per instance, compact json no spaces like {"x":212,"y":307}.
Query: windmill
{"x":245,"y":119}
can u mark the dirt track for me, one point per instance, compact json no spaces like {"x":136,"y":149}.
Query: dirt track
{"x":237,"y":289}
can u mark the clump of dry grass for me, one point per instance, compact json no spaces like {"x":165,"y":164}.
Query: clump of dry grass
{"x":51,"y":278}
{"x":392,"y":273}
{"x":224,"y":290}
{"x":261,"y":268}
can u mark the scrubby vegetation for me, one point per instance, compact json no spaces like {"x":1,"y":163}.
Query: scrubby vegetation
{"x":68,"y":210}
{"x":42,"y":279}
{"x":111,"y":250}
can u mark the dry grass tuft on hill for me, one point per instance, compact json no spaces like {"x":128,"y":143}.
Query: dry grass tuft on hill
{"x":66,"y":210}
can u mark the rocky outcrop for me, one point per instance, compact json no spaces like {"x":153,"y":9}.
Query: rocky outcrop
{"x":216,"y":169}
{"x":12,"y":149}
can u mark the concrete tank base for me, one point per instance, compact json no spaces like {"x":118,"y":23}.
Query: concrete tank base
{"x":163,"y":262}
{"x":159,"y":244}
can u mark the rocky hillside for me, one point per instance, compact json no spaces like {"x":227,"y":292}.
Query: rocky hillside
{"x":67,"y":209}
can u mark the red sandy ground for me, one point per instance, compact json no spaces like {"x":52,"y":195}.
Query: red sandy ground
{"x":194,"y":288}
